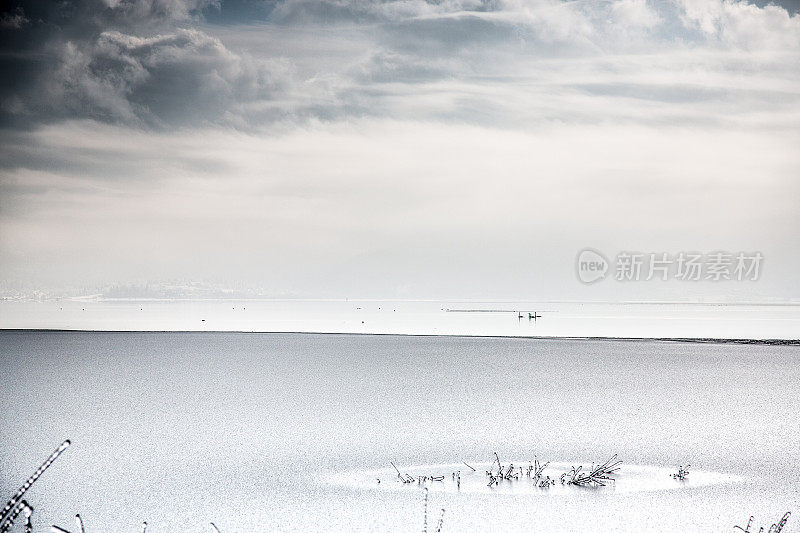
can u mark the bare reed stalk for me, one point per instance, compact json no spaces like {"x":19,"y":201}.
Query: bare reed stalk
{"x":495,"y":479}
{"x":746,"y":529}
{"x":12,"y":503}
{"x":441,"y":523}
{"x":683,"y":473}
{"x":597,"y":476}
{"x":425,"y":518}
{"x":405,"y":478}
{"x":510,"y":472}
{"x":774,"y":528}
{"x":15,"y":512}
{"x":215,"y":527}
{"x":537,"y":468}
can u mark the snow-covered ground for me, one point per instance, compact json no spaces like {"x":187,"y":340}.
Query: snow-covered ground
{"x":290,"y":432}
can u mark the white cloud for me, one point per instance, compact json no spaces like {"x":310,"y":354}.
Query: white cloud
{"x":743,"y":25}
{"x":634,"y":14}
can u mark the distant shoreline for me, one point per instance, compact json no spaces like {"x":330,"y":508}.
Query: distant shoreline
{"x":692,"y":340}
{"x":104,"y":299}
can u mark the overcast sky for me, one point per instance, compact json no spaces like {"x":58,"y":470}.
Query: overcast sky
{"x":397,"y":148}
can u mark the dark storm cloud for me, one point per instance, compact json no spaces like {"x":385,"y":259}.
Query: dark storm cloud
{"x":134,"y":62}
{"x":27,"y":25}
{"x":174,"y":78}
{"x":147,"y":63}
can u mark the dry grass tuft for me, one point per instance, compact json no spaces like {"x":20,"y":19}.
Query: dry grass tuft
{"x":597,"y":476}
{"x":774,"y":528}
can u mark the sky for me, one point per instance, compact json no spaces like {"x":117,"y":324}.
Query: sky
{"x":397,"y":148}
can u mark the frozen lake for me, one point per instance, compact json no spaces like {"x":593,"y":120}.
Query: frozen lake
{"x":291,"y":432}
{"x":482,"y":318}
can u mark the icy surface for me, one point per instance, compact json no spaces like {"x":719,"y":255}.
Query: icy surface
{"x":459,"y":478}
{"x":284,"y":432}
{"x":484,"y":318}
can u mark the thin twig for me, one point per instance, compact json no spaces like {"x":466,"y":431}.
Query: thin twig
{"x":12,"y":516}
{"x":425,"y":518}
{"x":12,"y":503}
